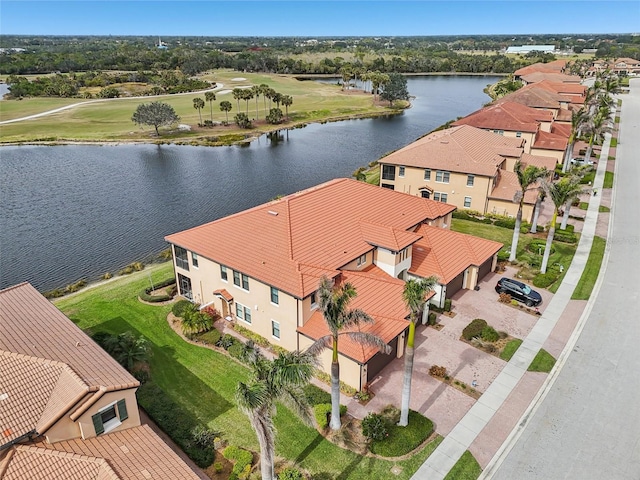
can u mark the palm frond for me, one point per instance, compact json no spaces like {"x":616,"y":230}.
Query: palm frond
{"x":293,"y":368}
{"x":252,"y":397}
{"x":319,"y":345}
{"x":295,"y":399}
{"x":356,"y":317}
{"x":369,"y":339}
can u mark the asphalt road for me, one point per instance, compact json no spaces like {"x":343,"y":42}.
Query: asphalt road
{"x":588,"y":425}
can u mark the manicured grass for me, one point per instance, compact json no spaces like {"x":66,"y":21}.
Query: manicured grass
{"x":608,"y":180}
{"x":202,"y":381}
{"x":591,"y":270}
{"x":111,"y":120}
{"x":10,"y":109}
{"x":402,"y":440}
{"x":467,"y":468}
{"x":510,"y":348}
{"x":543,"y":362}
{"x":614,"y":142}
{"x":585,"y":205}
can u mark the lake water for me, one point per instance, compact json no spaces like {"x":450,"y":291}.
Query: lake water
{"x":72,"y":212}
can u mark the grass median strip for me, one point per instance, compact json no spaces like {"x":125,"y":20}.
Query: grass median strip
{"x":591,"y":270}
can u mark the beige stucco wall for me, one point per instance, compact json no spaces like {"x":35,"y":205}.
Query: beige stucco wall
{"x":510,"y":209}
{"x":66,"y":428}
{"x":206,"y":278}
{"x":557,"y":154}
{"x":353,"y":266}
{"x":350,"y":371}
{"x":456,"y":189}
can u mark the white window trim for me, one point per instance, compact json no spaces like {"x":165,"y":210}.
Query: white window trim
{"x":443,"y":175}
{"x":272,"y":335}
{"x":226,"y":270}
{"x":240,"y":287}
{"x":401,"y":171}
{"x":465,"y":201}
{"x":473,"y":182}
{"x":271,"y":301}
{"x":114,"y":422}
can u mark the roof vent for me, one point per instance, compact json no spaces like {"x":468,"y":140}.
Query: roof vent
{"x":271,"y":212}
{"x":444,"y":141}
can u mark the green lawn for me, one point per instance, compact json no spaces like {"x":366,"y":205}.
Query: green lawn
{"x":608,"y":180}
{"x":585,"y":205}
{"x":203,"y":381}
{"x":467,"y":468}
{"x":510,"y":348}
{"x":542,"y":362}
{"x":591,"y":270}
{"x":111,"y":120}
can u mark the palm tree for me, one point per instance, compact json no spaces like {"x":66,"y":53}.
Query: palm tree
{"x":264,"y":89}
{"x":247,"y":94}
{"x":578,"y":119}
{"x":127,"y":349}
{"x":287,"y":100}
{"x":597,"y":127}
{"x":257,"y":91}
{"x":536,"y":210}
{"x":346,"y":74}
{"x":237,"y":95}
{"x":559,"y":192}
{"x":334,"y":304}
{"x":281,"y":379}
{"x":414,"y":294}
{"x":210,"y":97}
{"x":198,"y":104}
{"x":277,"y":99}
{"x":269,"y":93}
{"x":225,"y":106}
{"x":527,"y":179}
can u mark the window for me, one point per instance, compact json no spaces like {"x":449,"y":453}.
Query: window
{"x":275,"y":329}
{"x":404,"y":254}
{"x":518,"y":134}
{"x":440,"y":197}
{"x":185,"y":286}
{"x":427,"y":174}
{"x":223,"y":273}
{"x":243,"y":313}
{"x":401,"y":171}
{"x":194,"y":259}
{"x":110,"y":417}
{"x":362,"y":259}
{"x":442,"y":177}
{"x":387,"y":185}
{"x":274,"y":295}
{"x":240,"y":280}
{"x":499,"y":132}
{"x":314,"y":300}
{"x":425,"y":194}
{"x":388,"y":172}
{"x":470,"y":180}
{"x":467,"y":202}
{"x":181,"y":258}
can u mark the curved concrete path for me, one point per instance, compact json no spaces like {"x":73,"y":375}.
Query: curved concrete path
{"x":438,"y":465}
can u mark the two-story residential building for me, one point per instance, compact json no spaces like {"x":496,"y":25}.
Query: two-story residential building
{"x":67,"y":409}
{"x":468,"y":167}
{"x":262,"y":267}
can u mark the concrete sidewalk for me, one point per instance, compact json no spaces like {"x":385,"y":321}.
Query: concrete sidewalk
{"x":440,"y":462}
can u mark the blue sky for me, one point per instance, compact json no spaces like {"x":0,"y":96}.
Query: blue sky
{"x":317,"y":18}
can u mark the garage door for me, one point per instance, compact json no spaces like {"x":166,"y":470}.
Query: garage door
{"x":455,"y":285}
{"x":381,"y":360}
{"x":484,"y":269}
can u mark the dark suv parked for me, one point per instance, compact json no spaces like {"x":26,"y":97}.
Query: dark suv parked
{"x":519,"y":291}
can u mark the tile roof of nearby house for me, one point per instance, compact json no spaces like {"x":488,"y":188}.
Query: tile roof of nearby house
{"x":535,"y":77}
{"x":378,"y":295}
{"x":550,"y":141}
{"x":628,"y":61}
{"x":539,"y":161}
{"x":562,"y":129}
{"x":134,"y":453}
{"x":564,"y":115}
{"x":387,"y":237}
{"x":569,"y":89}
{"x":291,"y":242}
{"x":535,"y":97}
{"x":446,"y":254}
{"x":510,"y":116}
{"x":462,"y":149}
{"x":507,"y":186}
{"x":554,"y":66}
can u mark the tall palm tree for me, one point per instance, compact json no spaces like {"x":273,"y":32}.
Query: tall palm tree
{"x":287,"y":100}
{"x":257,"y":91}
{"x":237,"y":95}
{"x":225,"y":106}
{"x":247,"y":94}
{"x":597,"y":127}
{"x":264,"y":89}
{"x":210,"y":97}
{"x":536,"y":210}
{"x":198,"y":104}
{"x":346,"y":73}
{"x":414,"y":294}
{"x":281,"y":379}
{"x":578,"y":120}
{"x":334,"y":304}
{"x":559,"y":192}
{"x":527,"y":178}
{"x":277,"y":99}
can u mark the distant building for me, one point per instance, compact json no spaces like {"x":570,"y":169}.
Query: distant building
{"x":524,"y":49}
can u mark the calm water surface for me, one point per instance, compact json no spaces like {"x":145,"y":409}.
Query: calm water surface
{"x":72,"y":212}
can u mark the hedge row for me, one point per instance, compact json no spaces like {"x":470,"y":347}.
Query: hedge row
{"x":145,"y":294}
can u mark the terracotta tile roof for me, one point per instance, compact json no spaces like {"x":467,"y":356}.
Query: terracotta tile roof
{"x":446,"y":254}
{"x":535,"y":97}
{"x":539,"y":161}
{"x":224,"y":294}
{"x":134,"y":453}
{"x":31,"y":325}
{"x":33,"y":463}
{"x":562,"y":129}
{"x":535,"y":77}
{"x":291,"y":242}
{"x":550,"y":141}
{"x":380,"y":297}
{"x":564,"y":115}
{"x":555,"y":66}
{"x":628,"y":61}
{"x":34,"y":391}
{"x":464,"y":149}
{"x":574,"y":89}
{"x":509,"y":116}
{"x":387,"y":237}
{"x":507,"y":186}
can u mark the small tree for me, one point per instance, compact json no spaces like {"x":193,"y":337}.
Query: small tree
{"x":242,"y":120}
{"x":226,"y":107}
{"x":210,"y":97}
{"x":287,"y":101}
{"x":395,"y":89}
{"x":198,"y":104}
{"x":157,"y":114}
{"x":275,"y":116}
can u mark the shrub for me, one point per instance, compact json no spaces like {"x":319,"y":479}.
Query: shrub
{"x":106,"y":276}
{"x":242,"y":120}
{"x":489,"y":334}
{"x":474,"y":329}
{"x":565,"y":237}
{"x":447,"y":305}
{"x":145,"y":294}
{"x":203,"y":436}
{"x":374,"y":427}
{"x":322,"y":411}
{"x":504,"y":298}
{"x":226,"y":341}
{"x":218,"y":467}
{"x":290,"y":473}
{"x":315,"y":395}
{"x":391,"y":414}
{"x":241,"y":457}
{"x":344,"y":388}
{"x":503,"y":256}
{"x":509,"y":223}
{"x":402,"y":440}
{"x":545,"y":279}
{"x":236,"y":350}
{"x":514,"y":302}
{"x":275,"y":116}
{"x":431,"y":320}
{"x":438,"y":371}
{"x":180,"y":307}
{"x":74,"y":287}
{"x":212,"y":337}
